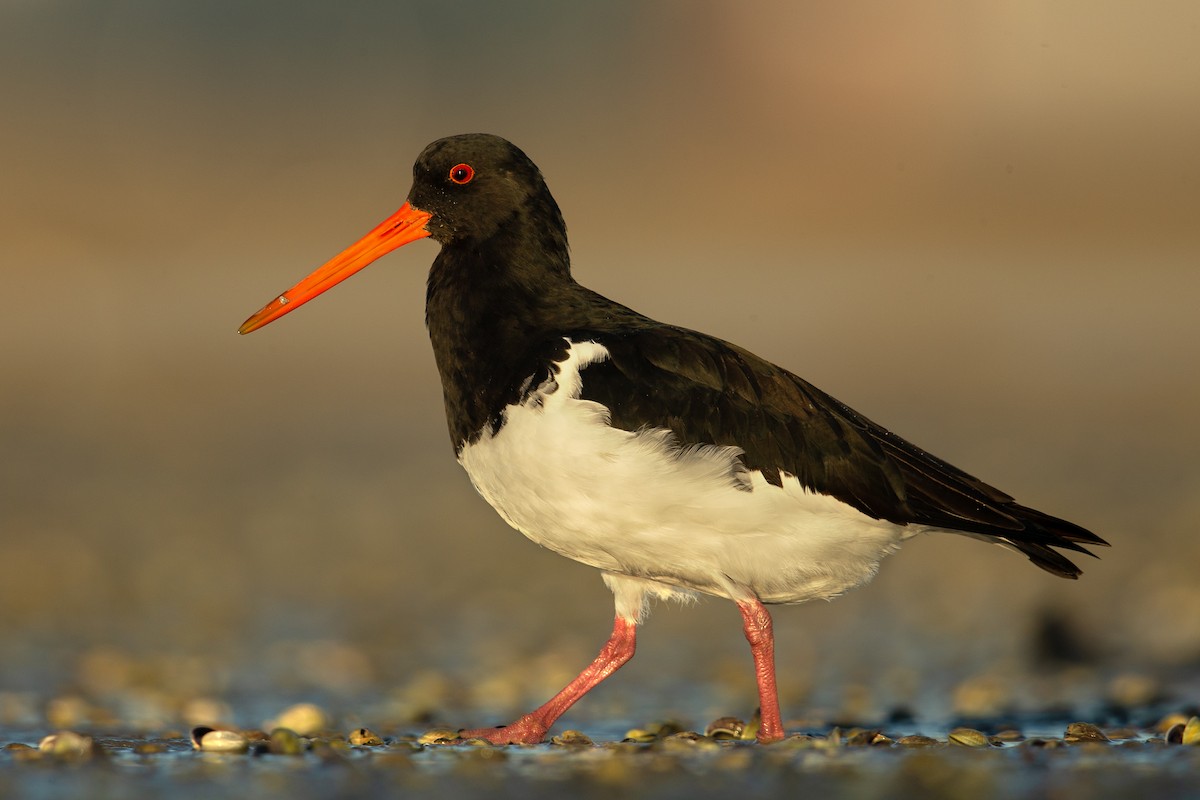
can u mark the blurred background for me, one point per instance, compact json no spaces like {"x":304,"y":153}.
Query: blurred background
{"x":976,"y":223}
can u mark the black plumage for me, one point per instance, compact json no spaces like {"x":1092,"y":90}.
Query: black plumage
{"x":502,"y":307}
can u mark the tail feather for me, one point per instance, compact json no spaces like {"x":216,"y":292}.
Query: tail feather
{"x":1043,"y":532}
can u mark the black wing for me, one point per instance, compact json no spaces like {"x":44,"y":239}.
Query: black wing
{"x":708,"y":391}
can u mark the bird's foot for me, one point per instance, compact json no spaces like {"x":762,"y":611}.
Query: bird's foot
{"x":526,"y":730}
{"x":765,"y":730}
{"x":769,"y":735}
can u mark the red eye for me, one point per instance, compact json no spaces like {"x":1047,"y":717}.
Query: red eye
{"x":462,"y":173}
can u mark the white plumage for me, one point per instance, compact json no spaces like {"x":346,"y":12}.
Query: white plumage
{"x":662,"y":520}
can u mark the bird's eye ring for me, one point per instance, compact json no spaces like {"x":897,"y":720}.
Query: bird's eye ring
{"x":462,"y":173}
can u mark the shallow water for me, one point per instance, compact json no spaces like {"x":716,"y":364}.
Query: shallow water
{"x":673,"y":768}
{"x":140,"y":727}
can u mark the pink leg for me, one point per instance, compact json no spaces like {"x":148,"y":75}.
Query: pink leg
{"x":756,"y":622}
{"x":531,"y":728}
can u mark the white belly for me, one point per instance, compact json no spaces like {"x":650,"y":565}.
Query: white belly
{"x":636,"y":504}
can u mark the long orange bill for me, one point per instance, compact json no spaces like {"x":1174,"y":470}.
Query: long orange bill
{"x":406,"y":225}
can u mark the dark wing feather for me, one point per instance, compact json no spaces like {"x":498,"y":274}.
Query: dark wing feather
{"x":708,"y":391}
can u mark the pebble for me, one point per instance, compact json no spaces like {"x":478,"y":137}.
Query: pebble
{"x":1079,"y":732}
{"x":969,"y":737}
{"x":726,"y":728}
{"x":653,"y":731}
{"x":219,"y":740}
{"x":1170,"y":721}
{"x":68,"y":744}
{"x":1191,"y":732}
{"x":866,"y":738}
{"x":572,"y":738}
{"x":1186,"y":733}
{"x":364,"y":737}
{"x":285,"y":742}
{"x":438,"y":736}
{"x":917,"y":740}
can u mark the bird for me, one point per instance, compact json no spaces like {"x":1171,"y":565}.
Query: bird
{"x":674,"y":462}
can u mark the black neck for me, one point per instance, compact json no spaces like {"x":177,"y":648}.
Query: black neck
{"x":490,"y":307}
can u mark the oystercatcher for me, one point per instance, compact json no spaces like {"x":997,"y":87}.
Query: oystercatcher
{"x":672,"y":461}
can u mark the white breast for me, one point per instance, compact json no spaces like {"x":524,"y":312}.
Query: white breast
{"x":636,"y":504}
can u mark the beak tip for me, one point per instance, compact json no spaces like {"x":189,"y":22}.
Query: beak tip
{"x":406,"y":225}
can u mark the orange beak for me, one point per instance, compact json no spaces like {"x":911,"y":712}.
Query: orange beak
{"x":406,"y":225}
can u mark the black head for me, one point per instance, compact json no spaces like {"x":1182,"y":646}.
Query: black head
{"x":476,"y":194}
{"x":476,"y":185}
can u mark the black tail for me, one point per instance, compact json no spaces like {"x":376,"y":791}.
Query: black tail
{"x":1043,"y":532}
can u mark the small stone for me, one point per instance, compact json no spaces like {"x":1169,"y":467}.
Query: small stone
{"x":1170,"y":721}
{"x":917,"y":740}
{"x":1079,"y":732}
{"x":726,"y":728}
{"x":224,"y":741}
{"x":68,"y":744}
{"x":572,"y":738}
{"x":968,"y":737}
{"x":653,"y":732}
{"x":285,"y":742}
{"x":364,"y":737}
{"x":866,"y":738}
{"x":1008,"y":736}
{"x":149,"y":748}
{"x":438,"y":736}
{"x":197,"y":733}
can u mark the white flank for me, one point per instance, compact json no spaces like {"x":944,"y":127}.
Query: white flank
{"x":661,"y":520}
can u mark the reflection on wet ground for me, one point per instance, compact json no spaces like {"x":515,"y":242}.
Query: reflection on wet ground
{"x":130,"y":725}
{"x":1079,"y":760}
